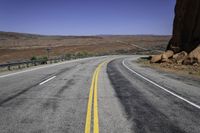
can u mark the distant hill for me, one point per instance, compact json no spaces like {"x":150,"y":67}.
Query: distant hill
{"x":16,"y":35}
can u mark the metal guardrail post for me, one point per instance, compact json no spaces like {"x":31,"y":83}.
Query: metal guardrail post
{"x":19,"y":66}
{"x":27,"y":64}
{"x":9,"y":67}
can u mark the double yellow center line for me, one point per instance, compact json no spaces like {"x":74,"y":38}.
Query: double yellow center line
{"x":93,"y":101}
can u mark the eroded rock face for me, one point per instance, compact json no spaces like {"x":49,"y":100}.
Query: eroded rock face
{"x":186,"y":28}
{"x":186,"y":35}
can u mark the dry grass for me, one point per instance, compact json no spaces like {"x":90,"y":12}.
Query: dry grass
{"x":17,"y":46}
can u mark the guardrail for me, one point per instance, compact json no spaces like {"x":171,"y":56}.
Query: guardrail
{"x":26,"y":64}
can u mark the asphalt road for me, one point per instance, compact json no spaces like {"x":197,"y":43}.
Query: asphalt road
{"x":110,"y":94}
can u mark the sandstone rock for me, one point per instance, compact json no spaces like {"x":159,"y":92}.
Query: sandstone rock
{"x":169,"y":53}
{"x":164,"y":58}
{"x":193,"y":57}
{"x":195,"y":54}
{"x":186,"y":35}
{"x":166,"y":55}
{"x":156,"y":58}
{"x":186,"y":28}
{"x":180,"y":57}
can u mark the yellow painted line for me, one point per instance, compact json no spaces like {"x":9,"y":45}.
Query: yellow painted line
{"x":93,"y":94}
{"x":95,"y":106}
{"x":88,"y":115}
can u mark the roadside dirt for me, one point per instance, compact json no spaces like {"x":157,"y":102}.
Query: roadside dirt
{"x":183,"y":70}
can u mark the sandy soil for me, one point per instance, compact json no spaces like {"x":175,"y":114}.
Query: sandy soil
{"x":17,"y":46}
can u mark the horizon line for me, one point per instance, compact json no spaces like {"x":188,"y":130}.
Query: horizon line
{"x":29,"y":33}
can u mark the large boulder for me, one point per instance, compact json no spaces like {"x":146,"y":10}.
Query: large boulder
{"x":193,"y":57}
{"x":180,"y":57}
{"x":166,"y":55}
{"x":186,"y":27}
{"x":195,"y":54}
{"x":162,"y":57}
{"x":156,"y":58}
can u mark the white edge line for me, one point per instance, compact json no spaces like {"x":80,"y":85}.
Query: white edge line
{"x":47,"y":80}
{"x":172,"y":93}
{"x":51,"y":65}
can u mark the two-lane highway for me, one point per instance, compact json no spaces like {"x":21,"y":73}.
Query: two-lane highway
{"x":110,"y":94}
{"x":48,"y":99}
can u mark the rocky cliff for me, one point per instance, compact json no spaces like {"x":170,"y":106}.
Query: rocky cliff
{"x":186,"y":29}
{"x":184,"y":46}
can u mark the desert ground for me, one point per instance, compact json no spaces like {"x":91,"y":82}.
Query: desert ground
{"x":16,"y":47}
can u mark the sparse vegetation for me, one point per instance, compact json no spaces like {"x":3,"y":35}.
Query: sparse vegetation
{"x":18,"y":47}
{"x":42,"y":60}
{"x":34,"y":58}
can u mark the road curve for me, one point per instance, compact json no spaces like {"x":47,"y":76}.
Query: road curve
{"x":83,"y":96}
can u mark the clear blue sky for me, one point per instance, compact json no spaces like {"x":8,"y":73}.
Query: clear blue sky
{"x":87,"y":17}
